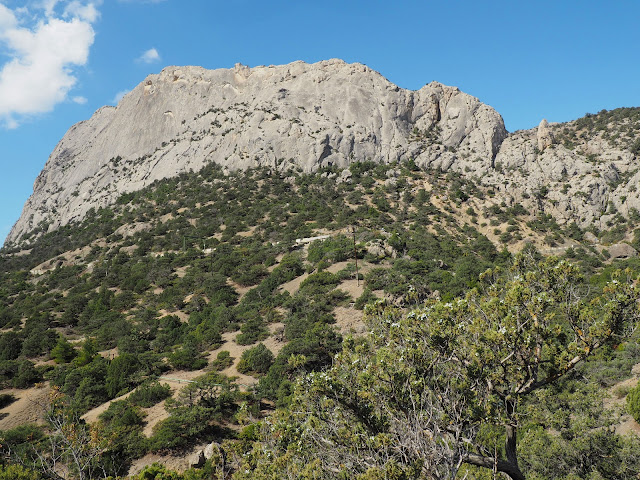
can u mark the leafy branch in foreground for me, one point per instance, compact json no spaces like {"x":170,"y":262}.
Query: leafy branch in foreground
{"x":416,"y":396}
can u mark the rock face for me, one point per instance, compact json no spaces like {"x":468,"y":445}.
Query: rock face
{"x":301,"y":115}
{"x":589,"y":180}
{"x":309,"y":116}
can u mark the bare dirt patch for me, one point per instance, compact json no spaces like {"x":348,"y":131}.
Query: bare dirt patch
{"x":240,"y":290}
{"x":27,"y":408}
{"x":349,"y":320}
{"x":154,"y":415}
{"x":93,"y":414}
{"x":183,"y":316}
{"x":294,"y":285}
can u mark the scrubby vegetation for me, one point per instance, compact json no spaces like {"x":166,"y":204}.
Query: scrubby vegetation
{"x":207,"y":261}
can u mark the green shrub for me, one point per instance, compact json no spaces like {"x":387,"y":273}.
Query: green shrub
{"x":223,"y":360}
{"x":6,"y":399}
{"x":366,"y":297}
{"x":184,"y":425}
{"x":63,"y":352}
{"x":119,"y":374}
{"x":187,"y":358}
{"x":17,"y":472}
{"x":149,"y":393}
{"x":252,"y":330}
{"x":256,"y":360}
{"x":633,"y":403}
{"x":27,"y":374}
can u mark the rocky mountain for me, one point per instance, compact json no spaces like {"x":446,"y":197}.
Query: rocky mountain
{"x":308,"y":116}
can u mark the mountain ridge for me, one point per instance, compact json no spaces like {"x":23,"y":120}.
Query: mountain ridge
{"x":309,"y":116}
{"x":297,"y":115}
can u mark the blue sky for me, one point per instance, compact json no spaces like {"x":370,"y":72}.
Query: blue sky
{"x":60,"y":60}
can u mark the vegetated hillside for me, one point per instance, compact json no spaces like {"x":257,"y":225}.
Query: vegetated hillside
{"x":180,"y":287}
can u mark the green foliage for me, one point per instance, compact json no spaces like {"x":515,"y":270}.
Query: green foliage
{"x":63,"y":352}
{"x":156,"y":471}
{"x":366,"y":297}
{"x":6,"y":399}
{"x":318,"y":283}
{"x":458,"y":370}
{"x":253,"y":329}
{"x":19,"y":441}
{"x":10,"y":345}
{"x":187,"y":357}
{"x":119,"y":374}
{"x":223,"y":360}
{"x":334,"y":249}
{"x":256,"y":360}
{"x":122,"y":424}
{"x":209,"y":398}
{"x":21,"y":373}
{"x":18,"y":472}
{"x":130,"y":297}
{"x":184,"y":425}
{"x":149,"y":393}
{"x":633,"y":403}
{"x":84,"y":384}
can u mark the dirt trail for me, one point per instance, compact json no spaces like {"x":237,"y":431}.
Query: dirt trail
{"x":294,"y":285}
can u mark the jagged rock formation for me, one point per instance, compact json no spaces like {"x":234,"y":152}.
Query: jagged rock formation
{"x":545,"y":137}
{"x":296,"y":115}
{"x":309,"y":116}
{"x":587,"y":171}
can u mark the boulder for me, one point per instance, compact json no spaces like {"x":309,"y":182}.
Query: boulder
{"x":210,"y":449}
{"x":622,"y":250}
{"x":197,"y":460}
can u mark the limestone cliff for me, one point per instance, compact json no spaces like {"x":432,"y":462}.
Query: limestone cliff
{"x":297,"y":115}
{"x":331,"y":113}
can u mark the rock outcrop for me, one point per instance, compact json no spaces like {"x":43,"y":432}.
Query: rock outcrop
{"x":297,"y":115}
{"x":589,"y":180}
{"x":545,"y":137}
{"x":622,"y":250}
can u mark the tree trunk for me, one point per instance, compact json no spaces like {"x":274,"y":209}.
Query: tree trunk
{"x":510,"y":446}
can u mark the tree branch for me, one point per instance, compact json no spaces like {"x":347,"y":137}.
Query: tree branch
{"x":490,"y":462}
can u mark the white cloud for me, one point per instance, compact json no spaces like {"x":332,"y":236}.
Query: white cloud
{"x":88,"y":13}
{"x":39,"y":74}
{"x":79,"y":100}
{"x":149,"y":56}
{"x":49,"y":6}
{"x":119,"y":95}
{"x":7,"y":19}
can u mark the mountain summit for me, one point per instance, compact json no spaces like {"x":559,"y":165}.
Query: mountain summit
{"x":298,"y":115}
{"x":331,"y":113}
